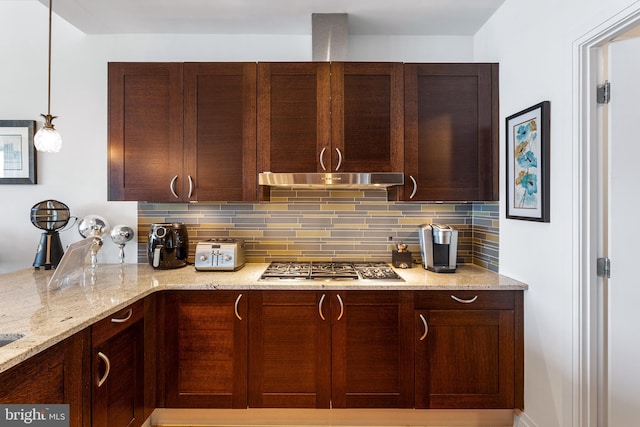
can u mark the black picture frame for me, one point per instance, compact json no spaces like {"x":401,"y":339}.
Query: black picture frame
{"x":17,"y":152}
{"x":527,"y":164}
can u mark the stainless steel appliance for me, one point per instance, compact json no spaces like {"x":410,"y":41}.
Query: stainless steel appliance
{"x":330,"y":270}
{"x":220,"y":255}
{"x":439,"y":247}
{"x":168,"y":245}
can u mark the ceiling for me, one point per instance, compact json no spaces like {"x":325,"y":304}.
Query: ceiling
{"x":365,"y":17}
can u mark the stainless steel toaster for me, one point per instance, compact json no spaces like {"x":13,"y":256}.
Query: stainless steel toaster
{"x":220,"y":255}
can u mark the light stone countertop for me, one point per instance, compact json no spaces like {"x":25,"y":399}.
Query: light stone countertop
{"x":48,"y":316}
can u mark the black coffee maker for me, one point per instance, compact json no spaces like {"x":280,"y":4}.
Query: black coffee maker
{"x":168,"y":245}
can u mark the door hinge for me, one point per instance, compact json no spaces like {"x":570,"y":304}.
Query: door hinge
{"x":603,"y":267}
{"x":603,"y":93}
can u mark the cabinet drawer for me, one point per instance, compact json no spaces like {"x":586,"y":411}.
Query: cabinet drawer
{"x":117,"y":322}
{"x":469,"y":300}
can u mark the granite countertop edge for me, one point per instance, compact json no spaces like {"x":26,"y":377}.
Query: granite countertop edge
{"x":47,"y":316}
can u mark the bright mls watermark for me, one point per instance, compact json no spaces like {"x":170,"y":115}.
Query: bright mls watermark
{"x":34,"y":415}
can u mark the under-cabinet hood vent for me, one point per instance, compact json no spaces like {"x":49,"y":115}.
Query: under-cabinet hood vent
{"x":331,"y":180}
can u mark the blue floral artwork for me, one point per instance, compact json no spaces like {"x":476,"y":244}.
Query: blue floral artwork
{"x":526,"y":143}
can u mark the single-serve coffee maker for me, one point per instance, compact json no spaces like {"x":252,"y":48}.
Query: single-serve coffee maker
{"x":439,"y":247}
{"x":168,"y":245}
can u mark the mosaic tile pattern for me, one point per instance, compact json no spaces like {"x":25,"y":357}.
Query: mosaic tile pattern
{"x":304,"y":225}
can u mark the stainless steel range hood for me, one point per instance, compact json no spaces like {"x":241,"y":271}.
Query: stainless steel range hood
{"x":332,"y":180}
{"x":330,"y":35}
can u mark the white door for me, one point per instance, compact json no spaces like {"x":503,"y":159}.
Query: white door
{"x":622,"y":372}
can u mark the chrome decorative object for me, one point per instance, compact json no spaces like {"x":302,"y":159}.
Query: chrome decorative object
{"x":94,"y":226}
{"x":121,"y":234}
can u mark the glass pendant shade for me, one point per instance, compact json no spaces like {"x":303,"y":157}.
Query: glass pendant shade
{"x":47,"y":139}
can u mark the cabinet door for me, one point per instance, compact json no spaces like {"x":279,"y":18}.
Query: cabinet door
{"x":118,"y":379}
{"x":294,"y":125}
{"x":372,"y":349}
{"x":54,"y":376}
{"x":469,"y":349}
{"x":367,"y":117}
{"x":145,"y":129}
{"x":206,"y":349}
{"x":451,"y":132}
{"x":289,"y":336}
{"x":220,"y":131}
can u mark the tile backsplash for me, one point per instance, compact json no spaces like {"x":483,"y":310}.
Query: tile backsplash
{"x":353,"y":225}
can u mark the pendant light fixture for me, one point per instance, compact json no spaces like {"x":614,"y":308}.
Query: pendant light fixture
{"x":48,"y":139}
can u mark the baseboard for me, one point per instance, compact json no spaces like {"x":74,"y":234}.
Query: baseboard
{"x":333,"y":417}
{"x":523,"y":420}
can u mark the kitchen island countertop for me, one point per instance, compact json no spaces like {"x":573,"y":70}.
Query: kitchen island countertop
{"x":46,"y":316}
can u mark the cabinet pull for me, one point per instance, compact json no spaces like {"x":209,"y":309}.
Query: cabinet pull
{"x":172,"y":186}
{"x":322,"y":157}
{"x":339,"y":159}
{"x":464,"y":301}
{"x":341,"y":306}
{"x":123,"y":319}
{"x":415,"y":186}
{"x":107,"y":365}
{"x":320,"y":307}
{"x":426,"y":328}
{"x":190,"y":185}
{"x":235,"y":307}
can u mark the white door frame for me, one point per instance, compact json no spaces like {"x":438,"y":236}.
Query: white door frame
{"x":587,"y":63}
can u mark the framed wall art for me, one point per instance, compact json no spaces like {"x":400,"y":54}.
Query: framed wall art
{"x":527,"y":169}
{"x":17,"y":153}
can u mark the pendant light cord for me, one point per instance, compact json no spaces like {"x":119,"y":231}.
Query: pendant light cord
{"x":49,"y":64}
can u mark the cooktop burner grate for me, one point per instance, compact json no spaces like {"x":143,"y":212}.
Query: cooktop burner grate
{"x":330,"y":270}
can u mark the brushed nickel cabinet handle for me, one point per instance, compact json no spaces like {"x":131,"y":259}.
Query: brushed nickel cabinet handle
{"x":415,"y":186}
{"x":341,"y":307}
{"x":107,"y":364}
{"x":123,"y":319}
{"x":172,"y":186}
{"x":320,"y":307}
{"x":322,"y":157}
{"x":464,"y":301}
{"x":235,"y":307}
{"x":339,"y":159}
{"x":426,"y":328}
{"x":190,"y":185}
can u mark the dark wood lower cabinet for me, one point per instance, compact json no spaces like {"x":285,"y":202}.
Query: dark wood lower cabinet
{"x":290,"y":349}
{"x":284,"y":349}
{"x":372,"y":349}
{"x":205,"y":349}
{"x":350,"y":349}
{"x":54,"y":376}
{"x":468,"y":354}
{"x":117,"y":397}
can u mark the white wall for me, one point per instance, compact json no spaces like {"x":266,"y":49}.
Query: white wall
{"x":533,"y":44}
{"x":77,"y":175}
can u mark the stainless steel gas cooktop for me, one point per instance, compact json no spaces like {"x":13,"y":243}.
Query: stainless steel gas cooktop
{"x":330,"y":271}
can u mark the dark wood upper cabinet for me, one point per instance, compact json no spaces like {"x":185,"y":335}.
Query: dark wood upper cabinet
{"x":182,"y":132}
{"x":367,"y":114}
{"x":220,"y":131}
{"x":451,"y":132}
{"x":328,"y":117}
{"x":145,"y":131}
{"x":294,"y":123}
